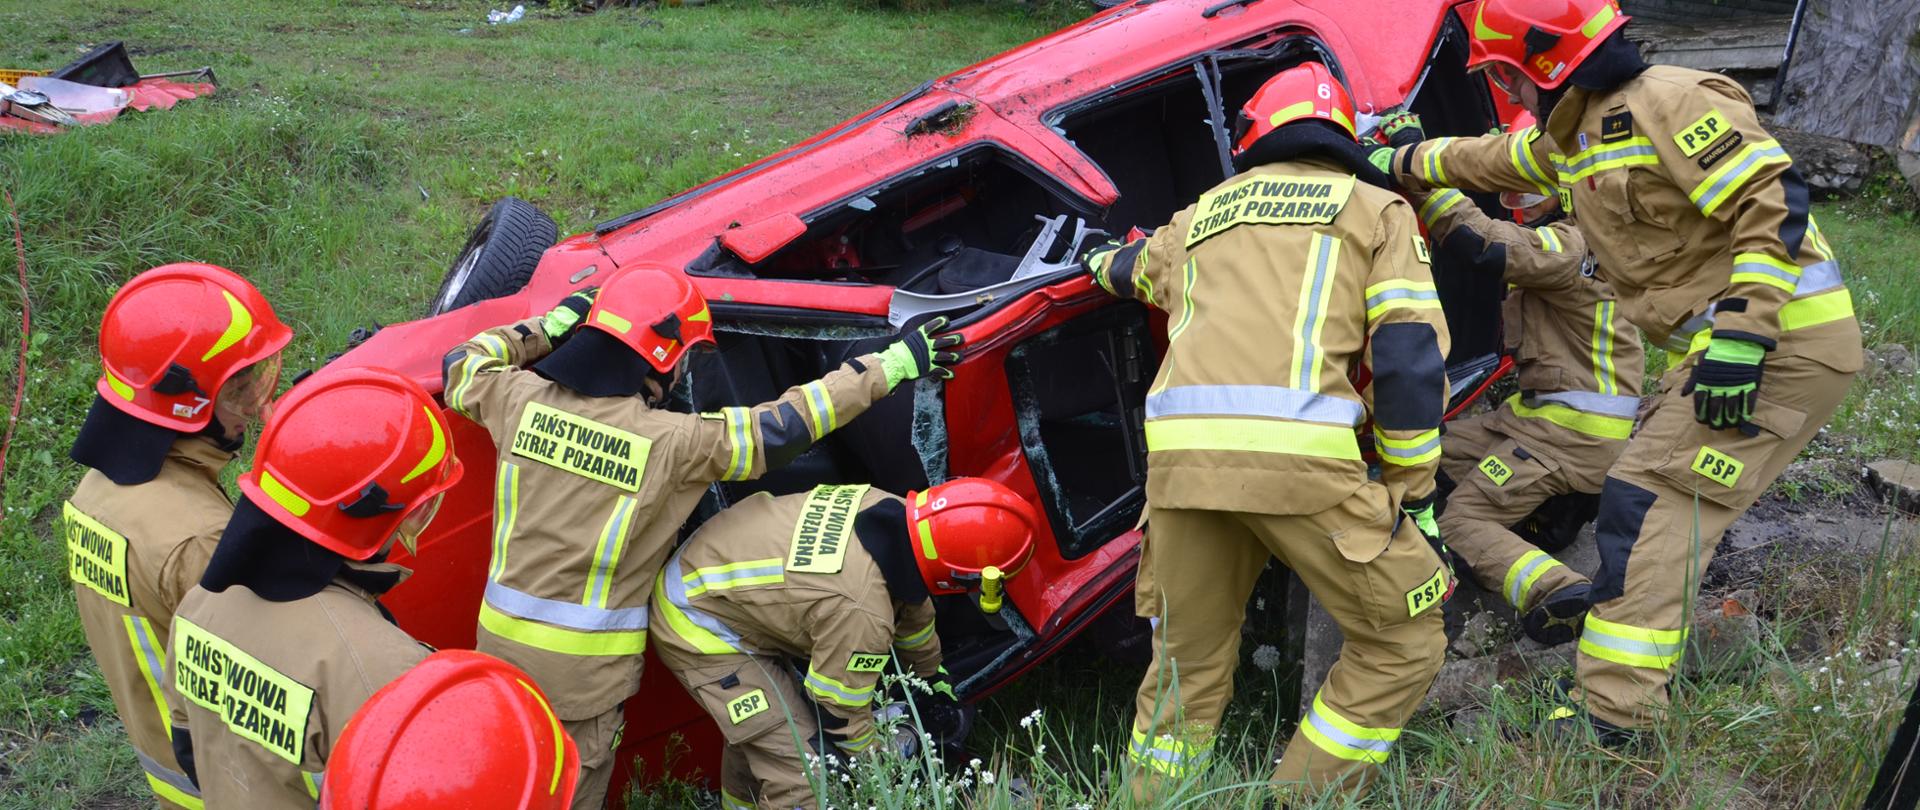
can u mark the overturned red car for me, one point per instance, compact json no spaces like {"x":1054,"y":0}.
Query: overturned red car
{"x":970,"y":197}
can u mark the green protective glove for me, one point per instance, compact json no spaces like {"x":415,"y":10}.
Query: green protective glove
{"x":561,"y":320}
{"x":1382,"y":158}
{"x":1402,"y":129}
{"x":1726,"y":383}
{"x":942,"y":685}
{"x":1094,"y":261}
{"x":917,"y":354}
{"x":1423,"y":519}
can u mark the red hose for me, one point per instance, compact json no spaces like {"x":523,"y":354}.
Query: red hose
{"x":26,"y":330}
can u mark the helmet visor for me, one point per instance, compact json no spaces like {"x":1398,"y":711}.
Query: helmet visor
{"x":415,"y":523}
{"x":1506,"y":77}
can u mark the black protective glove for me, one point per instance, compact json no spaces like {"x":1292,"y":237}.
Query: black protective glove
{"x":1402,"y":129}
{"x":1726,"y":383}
{"x":918,"y":353}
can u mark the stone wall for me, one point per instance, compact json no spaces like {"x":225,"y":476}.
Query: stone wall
{"x":1704,"y":10}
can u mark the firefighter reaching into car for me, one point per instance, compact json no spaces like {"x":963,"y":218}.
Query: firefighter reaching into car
{"x":1701,"y":225}
{"x":832,"y":582}
{"x":191,"y":354}
{"x":1579,"y":368}
{"x":1276,"y":284}
{"x":594,"y":478}
{"x":284,"y":637}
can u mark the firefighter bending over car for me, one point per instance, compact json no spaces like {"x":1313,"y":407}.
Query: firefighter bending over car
{"x":1579,"y":368}
{"x":593,"y":477}
{"x":1701,"y":225}
{"x":833,"y":581}
{"x":191,"y":355}
{"x":284,"y":638}
{"x":460,"y":730}
{"x":1276,"y":283}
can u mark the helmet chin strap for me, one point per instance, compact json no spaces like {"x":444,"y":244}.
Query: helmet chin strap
{"x":882,"y":531}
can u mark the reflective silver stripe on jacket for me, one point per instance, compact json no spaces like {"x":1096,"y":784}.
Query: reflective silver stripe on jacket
{"x":571,"y":615}
{"x":676,"y":588}
{"x":177,"y":780}
{"x":1255,"y":400}
{"x":1814,"y":279}
{"x":1622,"y":406}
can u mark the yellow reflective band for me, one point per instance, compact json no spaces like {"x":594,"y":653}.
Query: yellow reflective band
{"x":1167,"y":755}
{"x":1602,"y":348}
{"x":1142,"y":284}
{"x":1722,"y":184}
{"x":742,"y":574}
{"x":1344,"y":738}
{"x":256,"y":701}
{"x":559,"y":739}
{"x":1400,"y":294}
{"x":561,"y":640}
{"x":925,"y":530}
{"x":740,"y":443}
{"x":1600,"y":19}
{"x":855,"y":745}
{"x":1340,"y":118}
{"x":436,"y":450}
{"x":729,"y":801}
{"x":1592,"y":424}
{"x":153,"y":665}
{"x":824,"y":527}
{"x":706,"y":643}
{"x":582,"y":446}
{"x":1761,"y":278}
{"x":1481,"y":31}
{"x":1290,"y":112}
{"x":1549,"y":241}
{"x":1640,"y":647}
{"x":96,"y":555}
{"x":279,"y":493}
{"x":1323,"y":260}
{"x":1418,"y":450}
{"x":915,"y":639}
{"x":312,"y":781}
{"x":1586,"y":163}
{"x":119,"y":386}
{"x":606,"y":552}
{"x":506,"y":506}
{"x":493,"y":346}
{"x":1815,"y":310}
{"x":173,"y":794}
{"x":1189,"y":275}
{"x":1439,"y":203}
{"x":1523,"y":573}
{"x":1519,"y":149}
{"x":1253,"y":436}
{"x":1436,"y":172}
{"x":819,"y":409}
{"x":827,"y":687}
{"x":612,"y":321}
{"x":703,"y":315}
{"x":239,"y":323}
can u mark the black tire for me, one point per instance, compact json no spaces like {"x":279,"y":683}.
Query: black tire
{"x":499,"y":256}
{"x":1103,"y":5}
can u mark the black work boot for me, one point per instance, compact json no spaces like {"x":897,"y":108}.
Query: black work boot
{"x":1556,"y":620}
{"x":1574,"y":724}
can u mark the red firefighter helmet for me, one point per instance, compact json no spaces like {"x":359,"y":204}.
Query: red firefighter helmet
{"x":175,"y":334}
{"x":965,"y":526}
{"x":353,"y":457}
{"x":1302,"y":92}
{"x":655,"y":311}
{"x":1544,"y":40}
{"x":461,"y":729}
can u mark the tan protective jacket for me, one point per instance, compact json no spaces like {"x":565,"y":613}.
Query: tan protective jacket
{"x":1277,"y":283}
{"x":132,"y":553}
{"x":787,"y":576}
{"x":268,"y":686}
{"x":589,"y":495}
{"x":1580,"y":363}
{"x":1690,"y":205}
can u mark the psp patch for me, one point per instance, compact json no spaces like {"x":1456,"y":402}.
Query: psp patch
{"x":819,"y":543}
{"x":1428,"y":594}
{"x":747,"y":706}
{"x":1718,"y":467}
{"x":1696,"y":137}
{"x":1276,"y":199}
{"x":582,"y":446}
{"x":867,"y":662}
{"x":1495,"y":470}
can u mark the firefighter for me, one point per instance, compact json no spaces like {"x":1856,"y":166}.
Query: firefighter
{"x":1276,"y":284}
{"x":412,"y":745}
{"x":191,"y":355}
{"x":834,"y":580}
{"x":1579,"y":369}
{"x":593,"y":477}
{"x":1700,"y":223}
{"x":284,"y":638}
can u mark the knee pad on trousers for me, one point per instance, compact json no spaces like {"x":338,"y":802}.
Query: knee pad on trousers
{"x":1623,"y":512}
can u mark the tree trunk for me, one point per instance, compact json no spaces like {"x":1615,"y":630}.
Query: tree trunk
{"x":1855,"y":73}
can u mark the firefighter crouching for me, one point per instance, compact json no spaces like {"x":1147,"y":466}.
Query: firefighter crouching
{"x":283,"y":638}
{"x":835,"y":580}
{"x":1700,"y":224}
{"x":1276,"y":283}
{"x":191,"y":355}
{"x":460,"y":730}
{"x":593,"y":478}
{"x":1579,"y":368}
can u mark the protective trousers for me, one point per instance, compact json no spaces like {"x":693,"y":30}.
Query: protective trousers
{"x":768,"y":725}
{"x":1499,"y":481}
{"x":1663,"y":509}
{"x":595,"y":737}
{"x":1365,"y":562}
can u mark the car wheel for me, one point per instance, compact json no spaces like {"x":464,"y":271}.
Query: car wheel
{"x":1106,"y":4}
{"x":499,"y":256}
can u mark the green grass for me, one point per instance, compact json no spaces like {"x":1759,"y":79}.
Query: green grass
{"x":352,"y":145}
